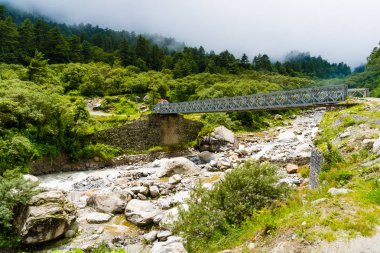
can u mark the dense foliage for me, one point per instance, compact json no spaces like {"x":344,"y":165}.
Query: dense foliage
{"x":15,"y":191}
{"x":85,"y":43}
{"x":370,"y":77}
{"x":243,"y":191}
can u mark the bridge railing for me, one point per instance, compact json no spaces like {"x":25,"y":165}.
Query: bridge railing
{"x":262,"y":101}
{"x":359,"y":92}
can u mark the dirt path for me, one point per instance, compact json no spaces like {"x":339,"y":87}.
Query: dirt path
{"x":360,"y":244}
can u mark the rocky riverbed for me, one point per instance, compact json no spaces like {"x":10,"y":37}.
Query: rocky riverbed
{"x":135,"y":206}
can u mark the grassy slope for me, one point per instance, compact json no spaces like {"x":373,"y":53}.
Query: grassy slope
{"x":301,"y":223}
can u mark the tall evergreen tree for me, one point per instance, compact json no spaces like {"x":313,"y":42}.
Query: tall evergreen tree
{"x":143,"y":48}
{"x":75,"y":49}
{"x":125,"y":54}
{"x":2,"y":12}
{"x":27,"y":45}
{"x":41,"y":29}
{"x":9,"y":40}
{"x":57,"y":47}
{"x":244,"y":62}
{"x":38,"y":68}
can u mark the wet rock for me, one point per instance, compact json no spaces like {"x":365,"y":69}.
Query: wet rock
{"x":140,"y":212}
{"x":96,"y":218}
{"x":207,"y":156}
{"x":47,"y":216}
{"x":179,"y":165}
{"x":31,"y":178}
{"x":291,"y":168}
{"x":338,"y":191}
{"x":172,"y":245}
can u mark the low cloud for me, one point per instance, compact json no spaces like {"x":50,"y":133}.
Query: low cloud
{"x":339,"y":30}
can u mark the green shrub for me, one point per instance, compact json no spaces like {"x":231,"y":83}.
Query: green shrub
{"x":245,"y":190}
{"x":332,"y":157}
{"x":101,"y":150}
{"x":14,"y":191}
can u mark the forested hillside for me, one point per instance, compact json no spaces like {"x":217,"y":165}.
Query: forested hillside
{"x":22,"y":34}
{"x":50,"y":72}
{"x":370,"y":77}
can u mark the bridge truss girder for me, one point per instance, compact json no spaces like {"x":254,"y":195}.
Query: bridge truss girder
{"x":264,"y":101}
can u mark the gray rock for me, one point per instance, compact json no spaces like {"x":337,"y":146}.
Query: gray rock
{"x":163,"y":235}
{"x":376,"y":147}
{"x":140,"y":212}
{"x":220,"y":139}
{"x":31,"y":178}
{"x":224,"y":134}
{"x":207,"y":156}
{"x":345,"y":134}
{"x":70,"y":233}
{"x":287,"y":136}
{"x":140,"y":189}
{"x":291,"y":168}
{"x":154,"y":191}
{"x":169,"y":218}
{"x":151,"y":236}
{"x":175,"y":179}
{"x":109,"y":202}
{"x":338,"y":191}
{"x":179,"y":165}
{"x":96,"y":218}
{"x":172,"y":245}
{"x":34,"y":222}
{"x":251,"y":247}
{"x":278,"y":117}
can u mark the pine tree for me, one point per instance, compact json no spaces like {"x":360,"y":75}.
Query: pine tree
{"x":27,"y":45}
{"x":75,"y":49}
{"x":38,"y":68}
{"x":2,"y":12}
{"x":57,"y":47}
{"x":244,"y":62}
{"x":143,"y":48}
{"x":157,"y":58}
{"x":9,"y":40}
{"x":125,"y":54}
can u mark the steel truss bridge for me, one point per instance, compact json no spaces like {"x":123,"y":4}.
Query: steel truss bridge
{"x":307,"y":97}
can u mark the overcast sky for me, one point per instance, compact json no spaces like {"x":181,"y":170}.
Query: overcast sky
{"x":339,"y":30}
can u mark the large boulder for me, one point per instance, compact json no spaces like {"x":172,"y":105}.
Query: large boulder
{"x":140,"y":212}
{"x":220,"y":138}
{"x":47,"y":216}
{"x":109,"y":202}
{"x":178,"y":165}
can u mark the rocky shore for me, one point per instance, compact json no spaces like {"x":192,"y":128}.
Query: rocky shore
{"x":135,"y":206}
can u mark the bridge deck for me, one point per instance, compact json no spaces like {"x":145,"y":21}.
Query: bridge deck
{"x":306,"y":97}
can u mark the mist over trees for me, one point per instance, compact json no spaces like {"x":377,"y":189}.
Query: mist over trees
{"x":23,"y":34}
